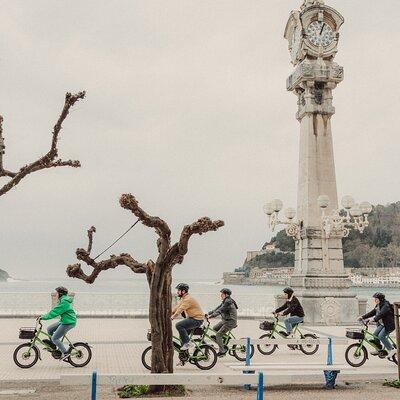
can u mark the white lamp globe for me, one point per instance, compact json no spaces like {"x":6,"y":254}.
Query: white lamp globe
{"x":366,"y":207}
{"x":290,"y":213}
{"x":356,"y":211}
{"x":277,"y":205}
{"x":323,"y":201}
{"x":347,"y":202}
{"x":268,"y":209}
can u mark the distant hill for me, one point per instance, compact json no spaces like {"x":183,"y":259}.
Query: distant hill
{"x":378,"y":246}
{"x":3,"y":275}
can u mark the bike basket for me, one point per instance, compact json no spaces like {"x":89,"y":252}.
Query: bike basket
{"x":267,"y":326}
{"x":27,"y":333}
{"x":359,"y":335}
{"x":198,"y":331}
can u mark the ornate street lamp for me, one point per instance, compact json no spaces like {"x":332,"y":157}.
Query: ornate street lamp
{"x":340,"y":222}
{"x":272,"y":210}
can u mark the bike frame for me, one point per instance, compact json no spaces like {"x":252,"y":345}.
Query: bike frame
{"x":368,"y":338}
{"x":277,"y":326}
{"x":42,"y":335}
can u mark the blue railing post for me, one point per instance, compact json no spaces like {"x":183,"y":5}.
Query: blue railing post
{"x":94,"y":385}
{"x":248,"y":352}
{"x":260,"y":388}
{"x":248,"y":344}
{"x":329,"y":359}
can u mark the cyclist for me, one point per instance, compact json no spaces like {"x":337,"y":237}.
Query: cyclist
{"x":67,"y":315}
{"x":293,"y":307}
{"x":383,"y":314}
{"x":194,"y":315}
{"x":228,"y":311}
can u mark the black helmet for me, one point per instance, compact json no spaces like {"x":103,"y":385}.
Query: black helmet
{"x":226,"y":291}
{"x":61,"y":290}
{"x":379,"y":296}
{"x":183,"y":286}
{"x":288,"y":290}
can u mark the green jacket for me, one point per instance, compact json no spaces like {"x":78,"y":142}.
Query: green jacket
{"x":64,"y":310}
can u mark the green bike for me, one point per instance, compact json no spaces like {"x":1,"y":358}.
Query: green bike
{"x":357,"y":354}
{"x":26,"y":355}
{"x":277,"y":330}
{"x":203,"y":357}
{"x":237,"y":351}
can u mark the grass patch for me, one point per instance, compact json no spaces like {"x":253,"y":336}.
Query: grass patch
{"x":131,"y":391}
{"x":394,"y":384}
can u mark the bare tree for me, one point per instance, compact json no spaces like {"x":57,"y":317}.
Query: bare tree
{"x":49,"y":160}
{"x":159,"y":275}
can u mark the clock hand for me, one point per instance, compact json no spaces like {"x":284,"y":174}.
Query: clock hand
{"x":323,"y":26}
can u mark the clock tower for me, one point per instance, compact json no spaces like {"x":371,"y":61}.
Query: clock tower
{"x":319,"y":279}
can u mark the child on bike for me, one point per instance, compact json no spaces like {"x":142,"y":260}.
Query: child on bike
{"x":67,"y":315}
{"x":293,"y":307}
{"x":383,"y":314}
{"x":228,"y":311}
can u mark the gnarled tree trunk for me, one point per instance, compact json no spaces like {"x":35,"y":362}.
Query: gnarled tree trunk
{"x":159,"y":276}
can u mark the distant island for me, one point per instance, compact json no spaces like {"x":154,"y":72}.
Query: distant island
{"x":371,"y":258}
{"x":3,"y":276}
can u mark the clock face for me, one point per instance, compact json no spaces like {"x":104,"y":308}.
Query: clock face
{"x":320,"y":34}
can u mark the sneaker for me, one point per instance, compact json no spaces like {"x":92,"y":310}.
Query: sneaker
{"x":221,"y":353}
{"x":186,"y":346}
{"x":180,"y":364}
{"x":391,"y":353}
{"x":375,"y":353}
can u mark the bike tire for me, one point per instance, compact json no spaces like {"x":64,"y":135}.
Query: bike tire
{"x":239,"y":352}
{"x":268,"y":349}
{"x":35,"y":355}
{"x":144,"y":354}
{"x":86,"y":361}
{"x":211,"y":354}
{"x":363,"y":356}
{"x":309,"y":350}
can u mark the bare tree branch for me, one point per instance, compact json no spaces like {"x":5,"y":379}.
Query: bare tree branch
{"x":75,"y":270}
{"x":49,"y":160}
{"x":129,"y":202}
{"x":90,"y":236}
{"x":177,"y":252}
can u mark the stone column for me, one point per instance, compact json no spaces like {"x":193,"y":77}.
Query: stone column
{"x":319,"y":279}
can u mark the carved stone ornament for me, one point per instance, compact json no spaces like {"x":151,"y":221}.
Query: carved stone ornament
{"x":330,"y":311}
{"x":309,"y":3}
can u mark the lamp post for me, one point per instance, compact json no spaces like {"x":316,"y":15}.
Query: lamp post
{"x":340,"y":222}
{"x":292,"y":227}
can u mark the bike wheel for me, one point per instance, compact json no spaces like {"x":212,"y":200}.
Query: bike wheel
{"x":239,"y":352}
{"x":267,"y":349}
{"x":204,"y":357}
{"x":80,"y":355}
{"x":26,"y":355}
{"x":309,"y":349}
{"x":356,"y":355}
{"x":146,"y":358}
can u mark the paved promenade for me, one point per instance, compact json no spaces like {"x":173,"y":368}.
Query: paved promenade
{"x":118,"y":344}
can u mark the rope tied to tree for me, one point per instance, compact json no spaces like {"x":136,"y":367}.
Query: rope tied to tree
{"x":115,"y":241}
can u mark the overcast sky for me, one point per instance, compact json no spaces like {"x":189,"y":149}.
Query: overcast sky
{"x":186,"y":109}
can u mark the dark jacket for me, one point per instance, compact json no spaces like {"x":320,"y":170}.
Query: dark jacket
{"x":292,"y":307}
{"x":383,"y":314}
{"x":227,"y":309}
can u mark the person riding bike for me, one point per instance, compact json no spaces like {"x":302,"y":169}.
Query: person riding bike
{"x":194,"y":315}
{"x":228,"y":312}
{"x":293,"y":307}
{"x":67,"y":315}
{"x":383,"y":314}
